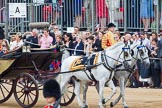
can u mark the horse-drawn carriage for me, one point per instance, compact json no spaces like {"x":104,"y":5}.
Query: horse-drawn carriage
{"x":23,"y":74}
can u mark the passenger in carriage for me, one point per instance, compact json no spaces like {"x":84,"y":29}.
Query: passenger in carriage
{"x":3,"y":47}
{"x":12,"y":39}
{"x":46,"y":40}
{"x":56,"y":64}
{"x":58,"y":42}
{"x":17,"y":43}
{"x":33,"y":39}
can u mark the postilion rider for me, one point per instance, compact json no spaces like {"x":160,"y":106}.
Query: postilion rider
{"x":109,"y":39}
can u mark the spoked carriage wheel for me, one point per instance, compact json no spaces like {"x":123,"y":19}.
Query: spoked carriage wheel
{"x":26,"y":90}
{"x":68,"y":97}
{"x":6,"y":90}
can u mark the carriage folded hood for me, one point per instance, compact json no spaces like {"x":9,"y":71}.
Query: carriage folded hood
{"x":5,"y":64}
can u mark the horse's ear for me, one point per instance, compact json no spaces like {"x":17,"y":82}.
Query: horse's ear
{"x":132,"y":52}
{"x":149,"y":52}
{"x":141,"y":43}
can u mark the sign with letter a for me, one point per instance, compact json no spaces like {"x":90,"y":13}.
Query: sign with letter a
{"x":17,"y":10}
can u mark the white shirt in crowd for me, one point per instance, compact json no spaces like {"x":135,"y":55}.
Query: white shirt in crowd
{"x":16,"y":44}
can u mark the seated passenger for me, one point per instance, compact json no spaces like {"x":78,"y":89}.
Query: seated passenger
{"x":58,"y":42}
{"x":46,"y":40}
{"x":4,"y":47}
{"x":32,"y":41}
{"x":17,"y":43}
{"x":12,"y":39}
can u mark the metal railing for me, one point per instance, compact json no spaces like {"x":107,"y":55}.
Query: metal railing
{"x":20,"y":27}
{"x":1,"y":9}
{"x":128,"y":15}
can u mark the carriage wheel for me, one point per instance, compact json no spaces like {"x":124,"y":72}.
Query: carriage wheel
{"x":69,"y":95}
{"x":6,"y":90}
{"x":26,"y":90}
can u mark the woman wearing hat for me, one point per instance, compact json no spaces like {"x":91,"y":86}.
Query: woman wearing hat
{"x":109,"y":39}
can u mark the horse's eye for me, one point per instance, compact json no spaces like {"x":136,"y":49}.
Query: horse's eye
{"x":141,"y":52}
{"x":125,"y":54}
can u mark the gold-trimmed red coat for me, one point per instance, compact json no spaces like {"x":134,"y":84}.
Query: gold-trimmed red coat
{"x":108,"y":40}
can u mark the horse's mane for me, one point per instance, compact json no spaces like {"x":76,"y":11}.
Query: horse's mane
{"x":134,"y":45}
{"x":115,"y":45}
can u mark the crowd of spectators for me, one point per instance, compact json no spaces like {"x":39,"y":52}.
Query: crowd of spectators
{"x":83,"y":43}
{"x":81,"y":13}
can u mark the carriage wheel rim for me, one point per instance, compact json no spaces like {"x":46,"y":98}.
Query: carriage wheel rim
{"x":68,"y":99}
{"x":5,"y":89}
{"x":26,"y":92}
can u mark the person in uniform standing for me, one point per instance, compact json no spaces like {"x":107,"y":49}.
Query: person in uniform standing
{"x":109,"y":39}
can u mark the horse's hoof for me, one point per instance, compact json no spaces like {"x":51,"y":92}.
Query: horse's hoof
{"x":86,"y":106}
{"x":111,"y":104}
{"x":103,"y":101}
{"x":126,"y":107}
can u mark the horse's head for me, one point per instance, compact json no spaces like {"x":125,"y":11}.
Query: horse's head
{"x":126,"y":56}
{"x":140,"y":52}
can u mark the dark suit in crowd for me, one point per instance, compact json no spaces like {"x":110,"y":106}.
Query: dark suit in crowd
{"x":160,"y":52}
{"x":79,"y":46}
{"x":97,"y":45}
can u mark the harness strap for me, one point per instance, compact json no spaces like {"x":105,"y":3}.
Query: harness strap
{"x":103,"y":58}
{"x":91,"y":77}
{"x":106,"y":65}
{"x":88,"y":75}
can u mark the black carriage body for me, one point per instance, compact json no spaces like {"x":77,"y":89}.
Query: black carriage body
{"x":19,"y":62}
{"x":23,"y":74}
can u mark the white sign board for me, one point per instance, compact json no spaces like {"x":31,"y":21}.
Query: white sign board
{"x":70,"y":29}
{"x":17,"y":10}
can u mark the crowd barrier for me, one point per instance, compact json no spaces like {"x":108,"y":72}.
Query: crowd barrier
{"x":86,"y":14}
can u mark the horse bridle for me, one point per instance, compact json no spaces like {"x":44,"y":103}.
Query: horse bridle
{"x":139,"y":51}
{"x":106,"y":64}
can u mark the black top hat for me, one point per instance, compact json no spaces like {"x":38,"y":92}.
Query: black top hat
{"x":111,"y":25}
{"x":51,"y":88}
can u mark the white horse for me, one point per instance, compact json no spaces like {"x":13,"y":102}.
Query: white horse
{"x":102,"y":73}
{"x":138,"y":52}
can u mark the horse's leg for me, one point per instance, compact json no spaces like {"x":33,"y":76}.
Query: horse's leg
{"x":85,"y":88}
{"x":115,"y":101}
{"x":77,"y":93}
{"x":122,"y":88}
{"x":101,"y":87}
{"x":97,"y":87}
{"x":112,"y":86}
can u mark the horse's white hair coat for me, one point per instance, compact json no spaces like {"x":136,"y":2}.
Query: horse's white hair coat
{"x":101,"y":74}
